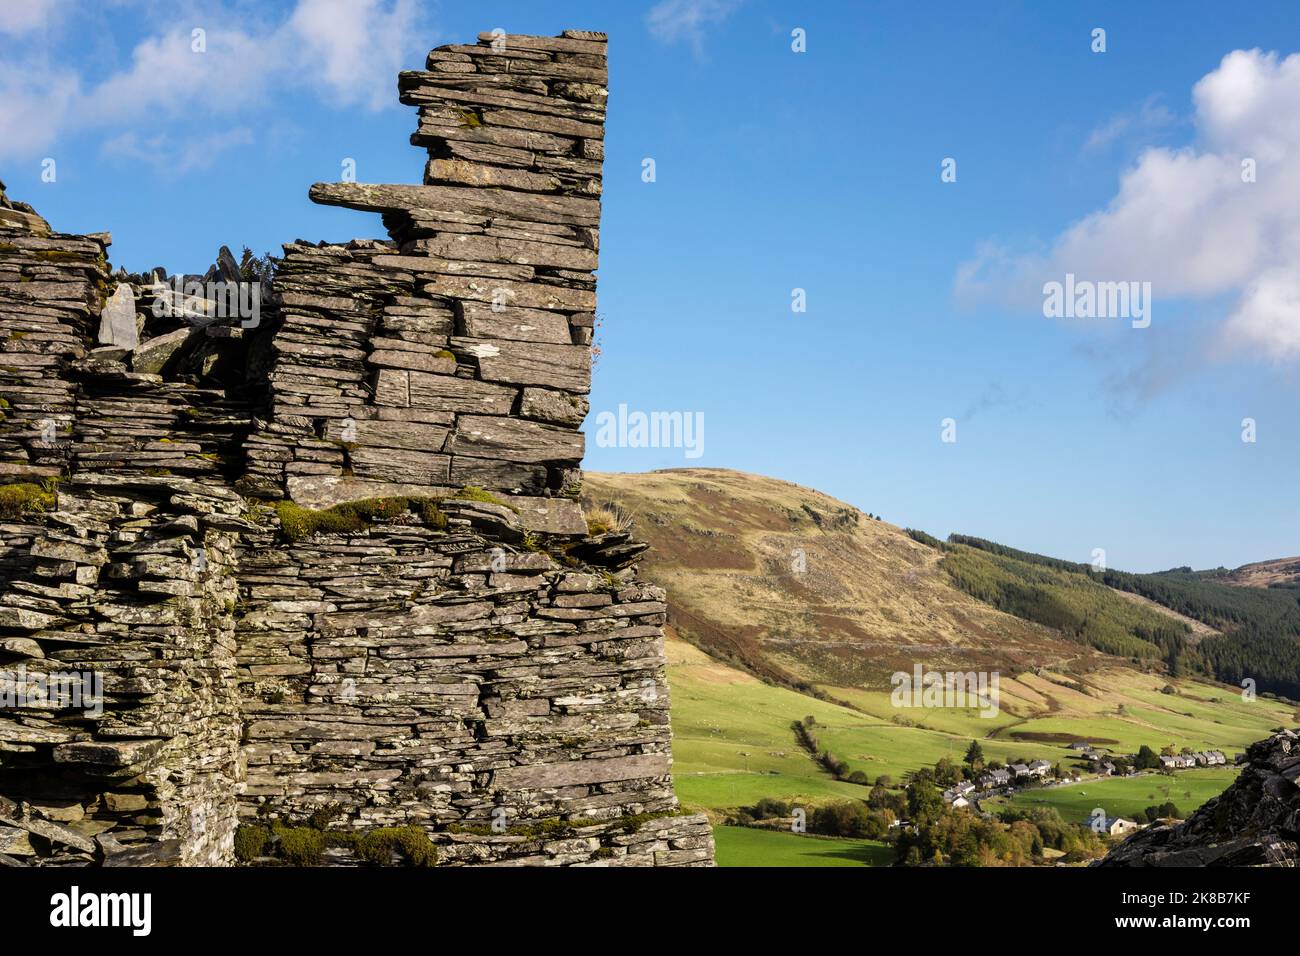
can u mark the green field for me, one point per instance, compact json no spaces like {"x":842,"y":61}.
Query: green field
{"x":742,"y":846}
{"x":1124,"y":796}
{"x":733,"y":744}
{"x":1122,"y":706}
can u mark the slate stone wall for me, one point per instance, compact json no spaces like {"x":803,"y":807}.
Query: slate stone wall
{"x":468,"y":659}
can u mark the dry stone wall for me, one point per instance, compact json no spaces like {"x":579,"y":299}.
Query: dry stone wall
{"x":327,"y":567}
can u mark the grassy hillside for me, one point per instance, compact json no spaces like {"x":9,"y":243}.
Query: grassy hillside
{"x":733,"y":744}
{"x":803,"y":589}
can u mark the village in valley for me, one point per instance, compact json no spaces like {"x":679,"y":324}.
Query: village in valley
{"x":1005,"y":781}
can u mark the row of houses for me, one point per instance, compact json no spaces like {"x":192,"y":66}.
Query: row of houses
{"x":1102,"y":763}
{"x":1202,"y":758}
{"x":1035,"y":770}
{"x":959,"y":795}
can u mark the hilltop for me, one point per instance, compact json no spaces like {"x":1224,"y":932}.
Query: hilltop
{"x":1280,"y":572}
{"x":803,"y":589}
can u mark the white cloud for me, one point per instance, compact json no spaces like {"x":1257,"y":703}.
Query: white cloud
{"x":1185,"y":220}
{"x":355,"y":46}
{"x":346,"y":52}
{"x":675,"y":20}
{"x":167,"y":77}
{"x":37,"y":101}
{"x":29,"y":16}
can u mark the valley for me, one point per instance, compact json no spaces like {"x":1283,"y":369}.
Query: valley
{"x":755,"y":644}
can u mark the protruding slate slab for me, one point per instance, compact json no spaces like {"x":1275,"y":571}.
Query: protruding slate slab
{"x":399,"y":198}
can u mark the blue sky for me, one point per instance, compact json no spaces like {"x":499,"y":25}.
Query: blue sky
{"x":816,"y":170}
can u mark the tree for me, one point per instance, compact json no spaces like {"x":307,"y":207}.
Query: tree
{"x":1146,"y":759}
{"x":946,"y":773}
{"x":923,"y":802}
{"x":975,"y":755}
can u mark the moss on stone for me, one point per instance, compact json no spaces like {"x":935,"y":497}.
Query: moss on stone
{"x":432,"y":515}
{"x":61,"y":255}
{"x":378,"y":846}
{"x":300,"y":846}
{"x":468,"y":117}
{"x":350,"y":517}
{"x":250,"y":841}
{"x":475,"y":493}
{"x":25,"y":498}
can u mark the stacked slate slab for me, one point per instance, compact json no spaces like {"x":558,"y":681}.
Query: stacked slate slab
{"x":51,"y":285}
{"x":470,"y":660}
{"x":479,"y":315}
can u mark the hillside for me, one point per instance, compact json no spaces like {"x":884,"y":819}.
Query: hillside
{"x":733,"y":744}
{"x":803,"y":589}
{"x":758,"y":639}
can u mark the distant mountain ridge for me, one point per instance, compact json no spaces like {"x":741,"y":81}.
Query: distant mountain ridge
{"x":806,"y":590}
{"x":1278,"y":573}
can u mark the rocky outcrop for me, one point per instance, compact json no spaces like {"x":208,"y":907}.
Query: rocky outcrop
{"x":1255,"y":822}
{"x":321,"y":563}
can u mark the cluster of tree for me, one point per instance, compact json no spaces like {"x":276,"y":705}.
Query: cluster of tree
{"x":768,"y":808}
{"x":926,"y":539}
{"x":1162,"y":811}
{"x":257,"y":268}
{"x":806,"y":735}
{"x":851,"y":818}
{"x":1261,"y":626}
{"x":1017,"y":838}
{"x":869,"y":819}
{"x":1144,"y":759}
{"x":1068,"y":599}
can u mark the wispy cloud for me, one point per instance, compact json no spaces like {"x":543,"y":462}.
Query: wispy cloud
{"x":992,"y":396}
{"x":22,"y":17}
{"x":173,"y":156}
{"x":1219,"y":219}
{"x":346,"y":52}
{"x":674,"y":21}
{"x":1134,"y":126}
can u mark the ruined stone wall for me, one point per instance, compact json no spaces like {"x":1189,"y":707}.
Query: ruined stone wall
{"x":459,"y":354}
{"x":451,"y":650}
